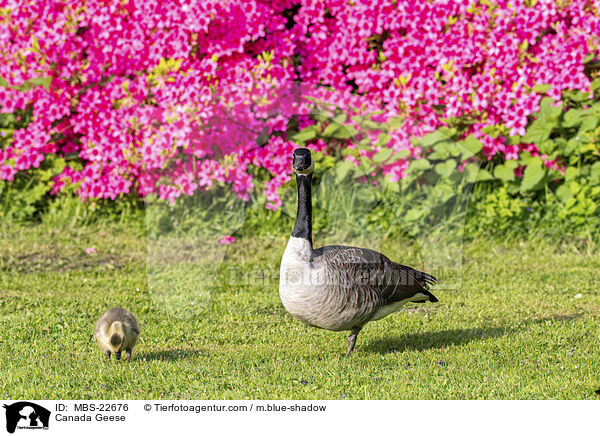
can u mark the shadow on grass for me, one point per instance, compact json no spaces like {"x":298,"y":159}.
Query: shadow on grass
{"x":169,"y":355}
{"x":430,"y":340}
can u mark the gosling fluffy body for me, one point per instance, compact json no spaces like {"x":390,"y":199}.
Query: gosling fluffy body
{"x":116,"y":331}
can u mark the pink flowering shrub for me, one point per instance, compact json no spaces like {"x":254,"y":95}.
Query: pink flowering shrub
{"x":167,"y":98}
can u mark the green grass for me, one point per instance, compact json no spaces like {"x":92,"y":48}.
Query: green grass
{"x":524,"y":324}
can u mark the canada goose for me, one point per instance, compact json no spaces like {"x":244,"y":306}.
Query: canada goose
{"x":337,"y":287}
{"x":117,"y":330}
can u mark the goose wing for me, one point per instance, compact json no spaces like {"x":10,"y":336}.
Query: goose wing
{"x":368,"y":269}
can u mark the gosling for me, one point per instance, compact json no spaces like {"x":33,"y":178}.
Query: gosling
{"x":117,"y":330}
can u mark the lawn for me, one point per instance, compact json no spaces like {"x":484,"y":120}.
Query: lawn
{"x":523,"y":325}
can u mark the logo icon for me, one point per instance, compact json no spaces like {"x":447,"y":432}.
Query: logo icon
{"x":26,"y":415}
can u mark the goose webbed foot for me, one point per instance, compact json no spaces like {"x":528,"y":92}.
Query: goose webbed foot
{"x":352,"y":340}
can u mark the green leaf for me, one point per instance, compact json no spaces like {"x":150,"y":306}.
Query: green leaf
{"x":506,"y":171}
{"x":547,"y":147}
{"x":448,"y":131}
{"x":561,"y":143}
{"x":322,"y":116}
{"x":445,"y":169}
{"x":533,"y":175}
{"x":595,"y":173}
{"x":470,"y":172}
{"x":538,"y":131}
{"x":483,"y":176}
{"x":574,"y":187}
{"x":330,"y":129}
{"x":433,"y":138}
{"x":472,"y":144}
{"x":304,"y":135}
{"x":541,"y":88}
{"x":571,"y":173}
{"x":35,"y":44}
{"x":588,"y":124}
{"x":453,"y":148}
{"x":573,"y":118}
{"x":572,"y":145}
{"x":442,"y":192}
{"x":335,"y":124}
{"x":382,"y":155}
{"x":441,"y":151}
{"x":38,"y":81}
{"x":493,"y":131}
{"x":577,"y":95}
{"x":392,"y":186}
{"x":564,"y":193}
{"x":340,"y":119}
{"x":439,"y":155}
{"x":370,"y":125}
{"x":414,"y":215}
{"x":364,"y":169}
{"x":400,"y":154}
{"x":342,"y":170}
{"x":344,"y":132}
{"x":418,"y":165}
{"x":396,"y":122}
{"x":383,"y":139}
{"x":548,"y":110}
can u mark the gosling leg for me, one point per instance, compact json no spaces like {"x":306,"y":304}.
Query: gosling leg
{"x":128,"y":351}
{"x":107,"y":354}
{"x":352,"y":340}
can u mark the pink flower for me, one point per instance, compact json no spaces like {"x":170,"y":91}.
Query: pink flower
{"x":90,"y":250}
{"x":226,"y":240}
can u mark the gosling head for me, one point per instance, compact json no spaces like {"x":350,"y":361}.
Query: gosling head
{"x":117,"y":336}
{"x":116,"y":340}
{"x":303,"y":164}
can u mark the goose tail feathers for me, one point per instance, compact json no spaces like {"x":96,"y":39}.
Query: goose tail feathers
{"x":424,"y":279}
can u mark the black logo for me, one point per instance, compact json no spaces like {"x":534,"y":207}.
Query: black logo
{"x":26,"y":415}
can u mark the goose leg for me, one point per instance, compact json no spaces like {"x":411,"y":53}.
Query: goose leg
{"x":107,"y":354}
{"x":128,"y":351}
{"x":352,"y":340}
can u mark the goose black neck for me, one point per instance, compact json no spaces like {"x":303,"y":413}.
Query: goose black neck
{"x":303,"y":227}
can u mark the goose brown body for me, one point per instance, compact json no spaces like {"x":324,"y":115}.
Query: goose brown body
{"x":340,"y":288}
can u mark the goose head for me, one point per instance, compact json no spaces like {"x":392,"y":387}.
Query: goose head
{"x":303,"y":163}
